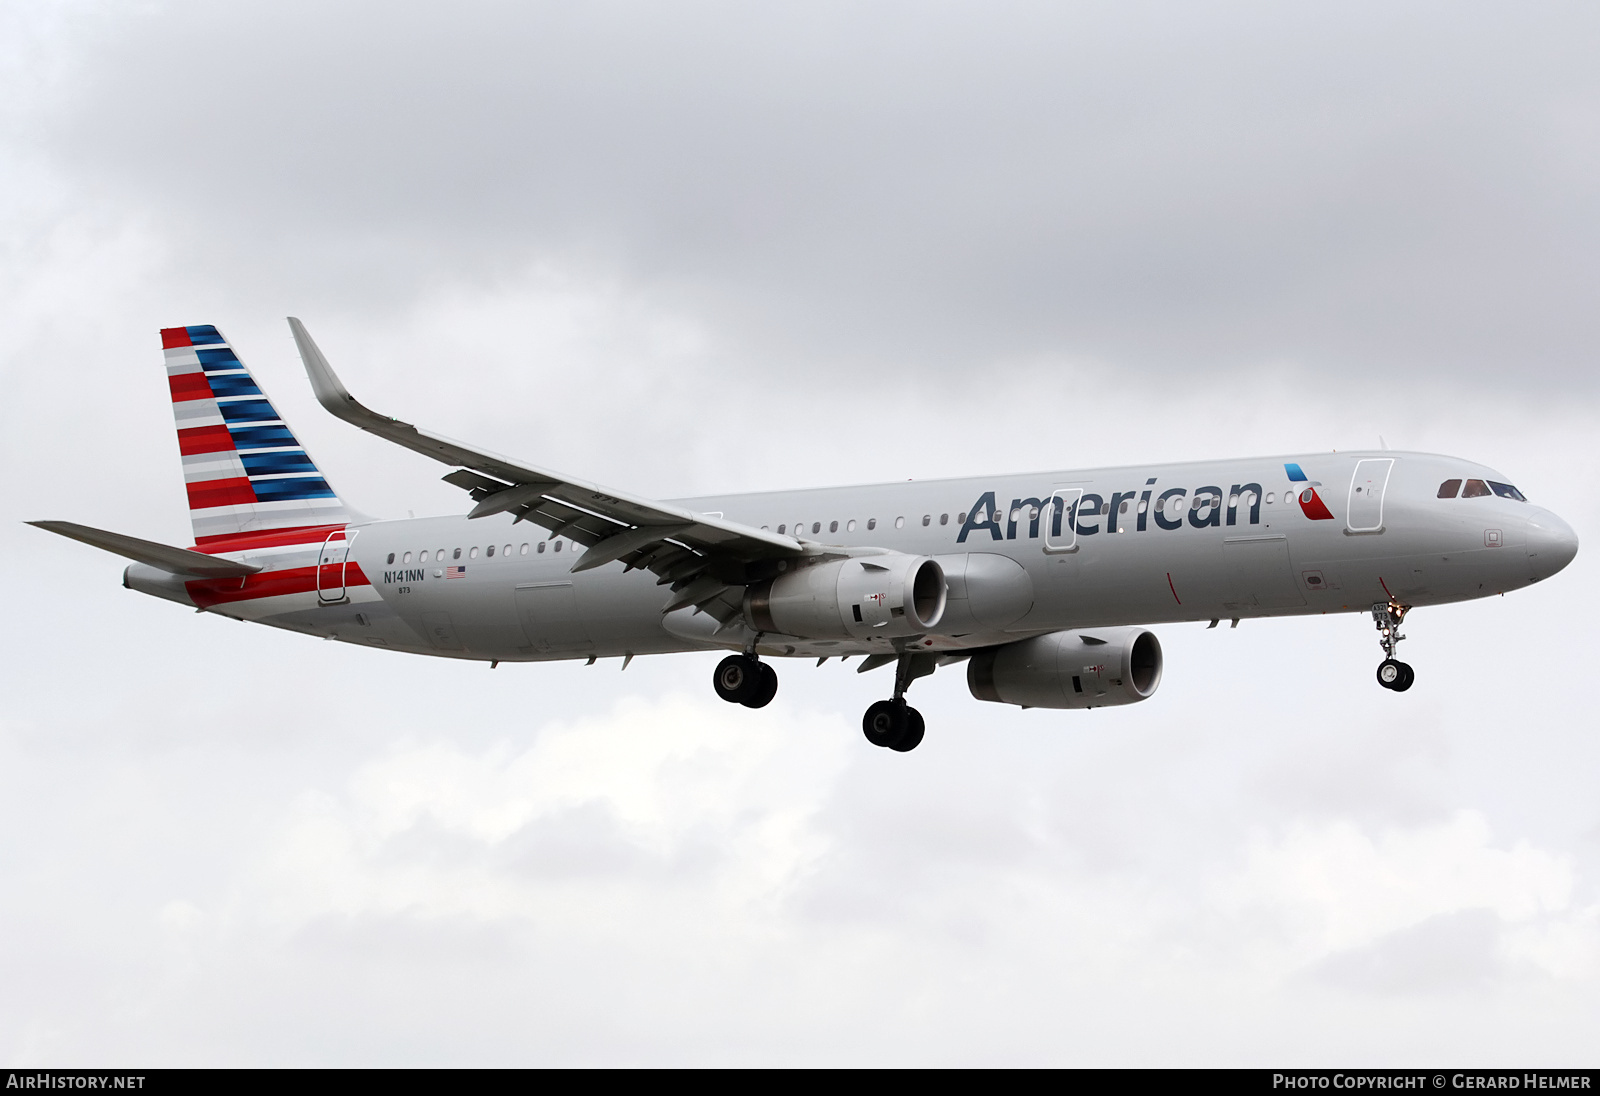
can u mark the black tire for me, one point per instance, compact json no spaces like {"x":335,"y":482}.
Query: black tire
{"x":912,"y":737}
{"x":1407,"y":676}
{"x":885,"y":722}
{"x":1391,"y":673}
{"x":737,"y":679}
{"x":768,"y":687}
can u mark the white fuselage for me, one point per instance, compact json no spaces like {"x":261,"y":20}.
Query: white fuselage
{"x":1132,"y":545}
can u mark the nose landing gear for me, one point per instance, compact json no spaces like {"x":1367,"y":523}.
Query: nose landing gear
{"x":1392,"y":673}
{"x":742,"y":679}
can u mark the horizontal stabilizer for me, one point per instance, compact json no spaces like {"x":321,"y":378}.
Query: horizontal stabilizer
{"x":177,"y":561}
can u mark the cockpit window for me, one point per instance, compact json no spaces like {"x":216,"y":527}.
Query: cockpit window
{"x":1449,"y":489}
{"x":1506,"y":491}
{"x":1476,"y":489}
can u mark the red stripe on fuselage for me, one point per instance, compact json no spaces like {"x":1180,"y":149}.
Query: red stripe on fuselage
{"x":174,"y":336}
{"x":189,"y":386}
{"x":204,"y":439}
{"x":267,"y":538}
{"x":220,"y":492}
{"x":292,"y":580}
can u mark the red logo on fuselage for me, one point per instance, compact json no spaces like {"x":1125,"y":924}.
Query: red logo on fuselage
{"x":1312,"y":506}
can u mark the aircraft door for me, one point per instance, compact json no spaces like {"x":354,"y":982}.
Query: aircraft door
{"x":331,"y":564}
{"x":1061,"y":520}
{"x":1367,"y":486}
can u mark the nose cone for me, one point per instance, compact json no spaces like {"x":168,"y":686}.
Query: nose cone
{"x":1551,"y":544}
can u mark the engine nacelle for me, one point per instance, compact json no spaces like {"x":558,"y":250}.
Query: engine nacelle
{"x":1082,"y":668}
{"x":884,"y":595}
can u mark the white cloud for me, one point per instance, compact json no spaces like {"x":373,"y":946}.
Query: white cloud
{"x":1337,"y":887}
{"x":665,"y":787}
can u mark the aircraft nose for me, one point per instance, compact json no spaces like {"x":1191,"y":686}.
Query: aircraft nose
{"x":1551,"y":544}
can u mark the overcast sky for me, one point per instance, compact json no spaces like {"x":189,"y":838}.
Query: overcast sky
{"x":700,"y":247}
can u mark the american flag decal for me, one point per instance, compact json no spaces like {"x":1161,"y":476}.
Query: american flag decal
{"x":455,"y":572}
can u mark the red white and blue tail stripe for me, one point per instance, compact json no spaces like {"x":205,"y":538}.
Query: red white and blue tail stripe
{"x":244,"y":470}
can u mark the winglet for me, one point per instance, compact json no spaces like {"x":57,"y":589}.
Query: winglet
{"x":330,"y":390}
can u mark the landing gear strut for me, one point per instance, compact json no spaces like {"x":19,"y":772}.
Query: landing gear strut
{"x":894,"y":723}
{"x":1392,"y":673}
{"x":743,"y":679}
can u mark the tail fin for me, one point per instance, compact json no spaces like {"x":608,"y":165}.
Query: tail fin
{"x":244,"y":470}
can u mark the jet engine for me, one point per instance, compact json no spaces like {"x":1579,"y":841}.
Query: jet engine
{"x":891,"y":594}
{"x":1081,"y":668}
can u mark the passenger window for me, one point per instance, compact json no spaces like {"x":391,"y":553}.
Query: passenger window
{"x":1123,"y":509}
{"x":833,"y":527}
{"x":557,"y":548}
{"x":506,"y":551}
{"x":850,"y":526}
{"x":1476,"y":489}
{"x":927,"y":519}
{"x":1270,"y":498}
{"x":1506,"y":491}
{"x":391,"y":557}
{"x":899,"y":523}
{"x":541,"y":547}
{"x":489,"y":551}
{"x":783,"y":528}
{"x":944,"y":519}
{"x":473,"y":554}
{"x":439,"y":555}
{"x":872,"y":523}
{"x":523,"y":550}
{"x":456,"y":554}
{"x":406,"y":558}
{"x":816,"y":527}
{"x":1449,"y":488}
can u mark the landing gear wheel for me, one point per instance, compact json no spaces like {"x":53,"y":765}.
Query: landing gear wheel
{"x":912,"y":736}
{"x":766,"y":689}
{"x":885,"y":722}
{"x":1391,"y":673}
{"x":738,"y":679}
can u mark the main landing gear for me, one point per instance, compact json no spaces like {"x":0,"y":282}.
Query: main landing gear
{"x":1392,"y":673}
{"x":743,"y":679}
{"x":894,"y":723}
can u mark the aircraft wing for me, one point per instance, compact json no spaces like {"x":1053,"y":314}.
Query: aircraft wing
{"x":685,"y":548}
{"x":163,"y":557}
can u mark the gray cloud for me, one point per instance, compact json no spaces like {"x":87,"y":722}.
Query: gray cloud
{"x":1365,"y":189}
{"x":703,"y":248}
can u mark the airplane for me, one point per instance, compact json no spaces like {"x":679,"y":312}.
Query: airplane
{"x":1044,"y":584}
